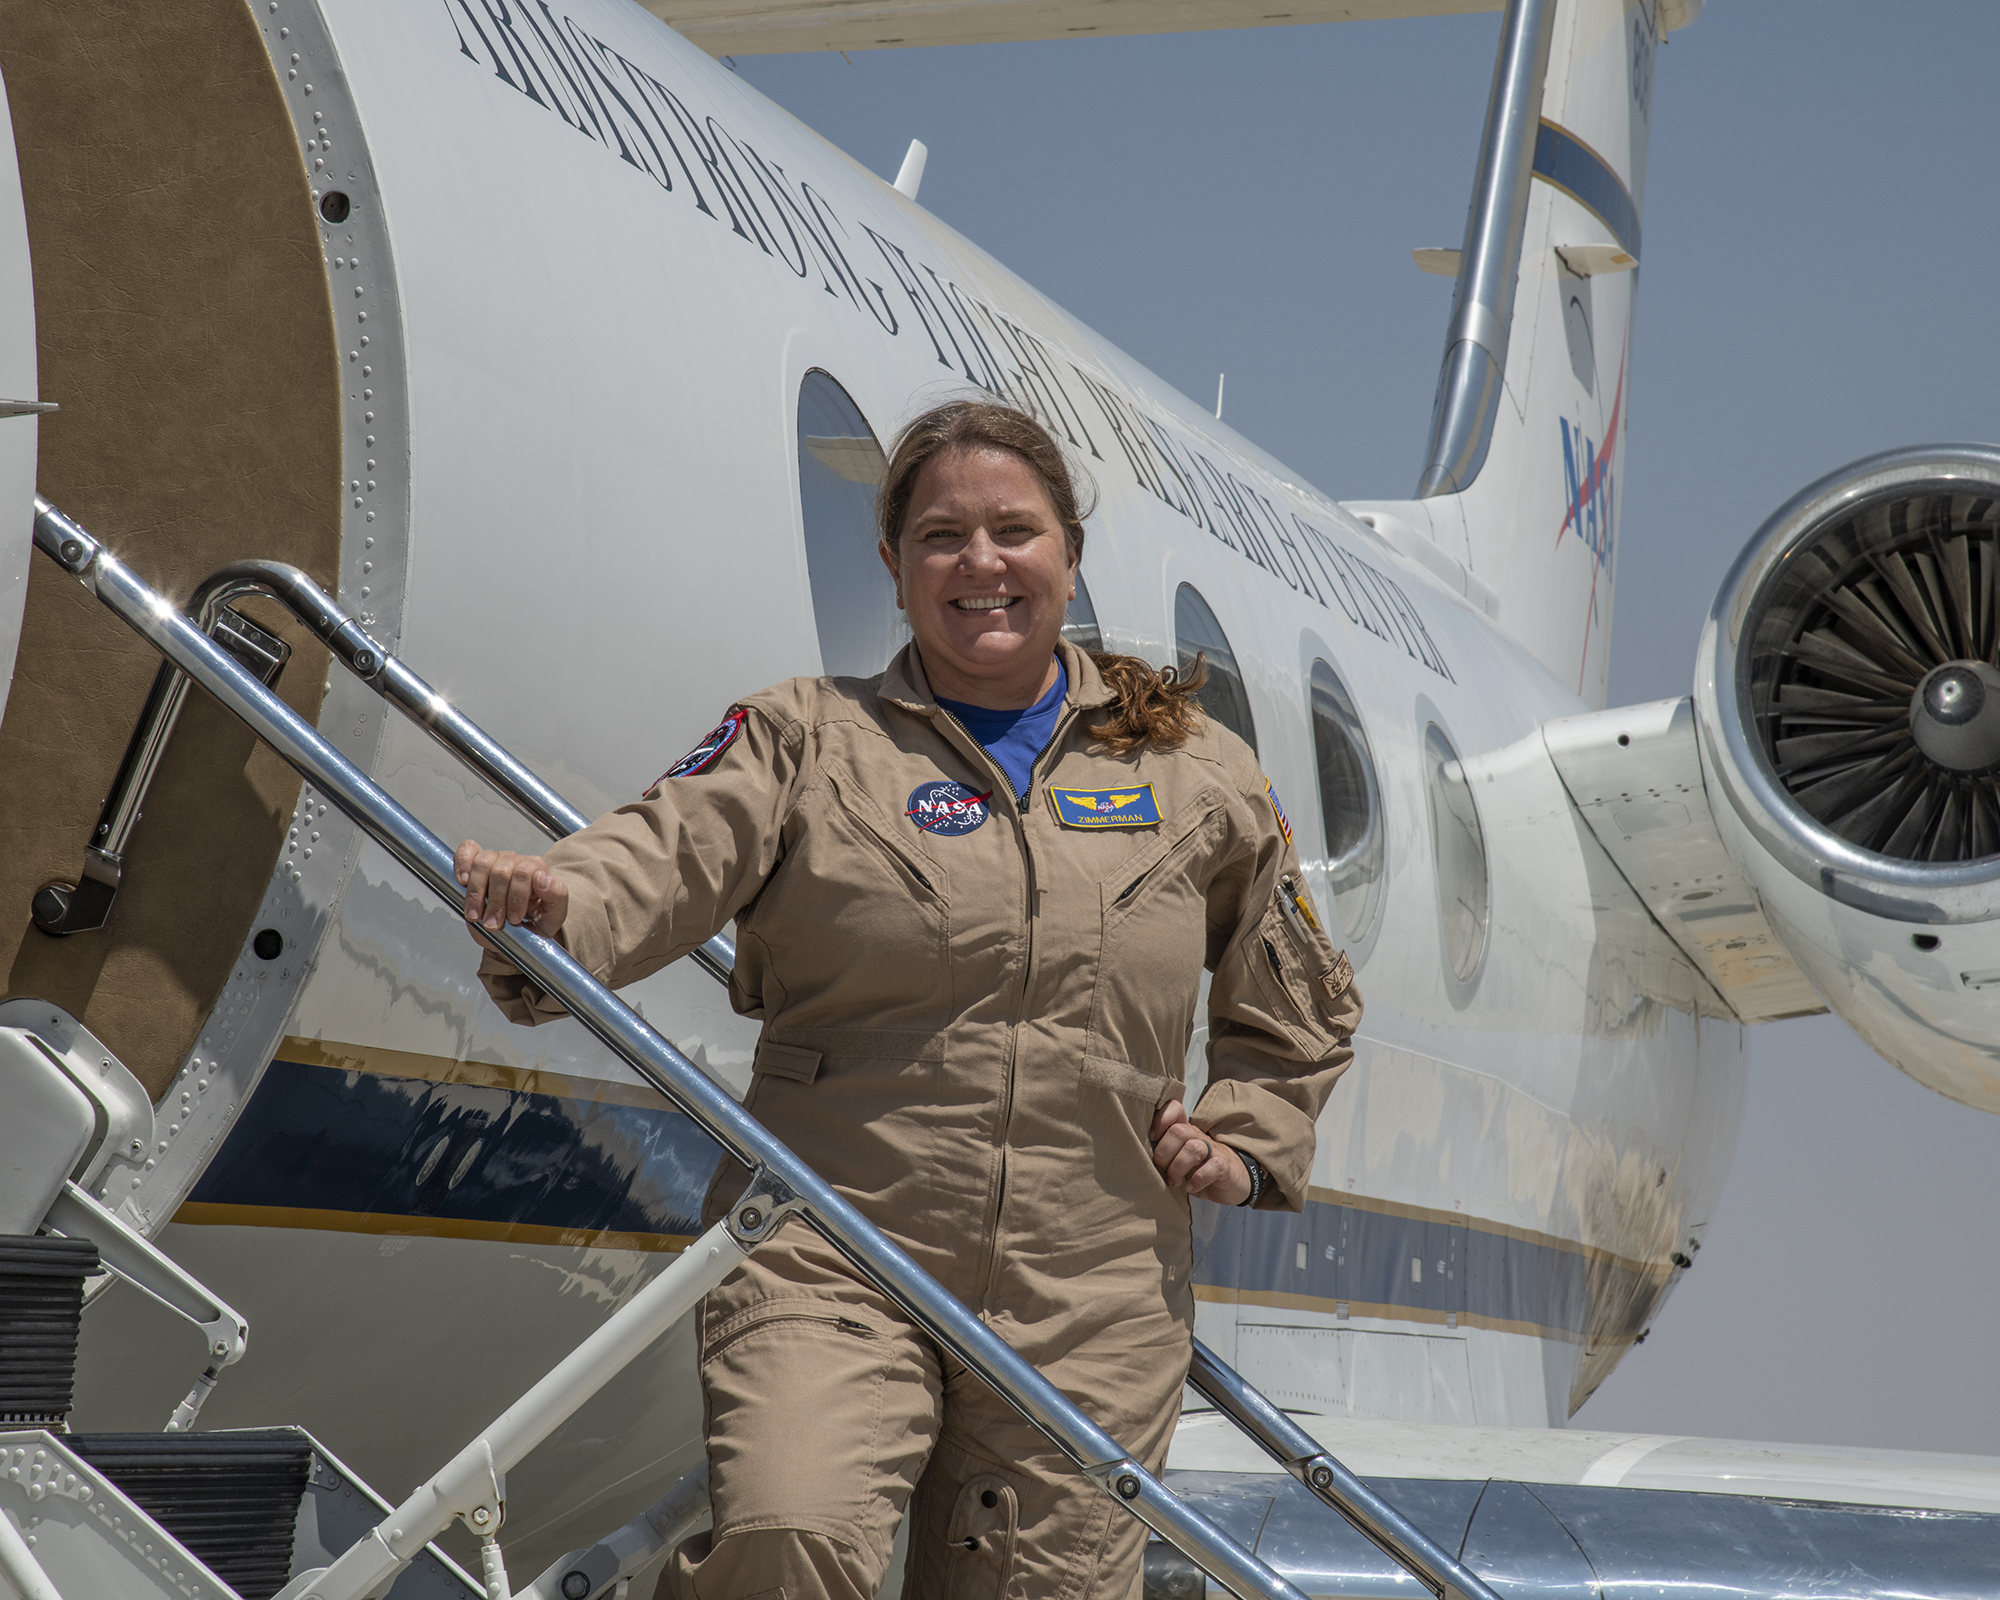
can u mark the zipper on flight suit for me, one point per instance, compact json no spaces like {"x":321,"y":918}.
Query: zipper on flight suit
{"x":1160,"y":863}
{"x":990,"y":1253}
{"x":1277,"y":966}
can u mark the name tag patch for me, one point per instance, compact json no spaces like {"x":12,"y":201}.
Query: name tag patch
{"x":944,"y":806}
{"x":1132,"y":807}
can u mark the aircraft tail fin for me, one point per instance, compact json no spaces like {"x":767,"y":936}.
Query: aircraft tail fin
{"x":1522,"y":479}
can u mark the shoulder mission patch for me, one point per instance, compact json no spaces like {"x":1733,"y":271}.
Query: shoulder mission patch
{"x":709,"y":751}
{"x":1130,"y":807}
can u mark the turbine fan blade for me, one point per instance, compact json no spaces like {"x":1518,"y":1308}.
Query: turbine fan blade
{"x":1880,"y":601}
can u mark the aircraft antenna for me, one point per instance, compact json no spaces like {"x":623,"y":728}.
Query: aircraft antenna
{"x":912,"y":173}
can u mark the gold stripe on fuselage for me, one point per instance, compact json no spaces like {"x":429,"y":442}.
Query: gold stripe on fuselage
{"x":207,"y":1214}
{"x":385,"y":1063}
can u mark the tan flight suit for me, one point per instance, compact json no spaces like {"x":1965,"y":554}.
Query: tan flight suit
{"x":967,"y":1029}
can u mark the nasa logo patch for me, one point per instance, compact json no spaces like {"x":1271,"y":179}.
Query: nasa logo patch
{"x":709,"y":751}
{"x":943,"y":806}
{"x":1284,"y":822}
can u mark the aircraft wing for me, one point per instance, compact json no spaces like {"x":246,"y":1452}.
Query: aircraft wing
{"x":1826,"y":1474}
{"x":763,"y":27}
{"x":1634,"y":774}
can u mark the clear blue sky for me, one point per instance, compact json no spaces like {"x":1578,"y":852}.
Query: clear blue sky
{"x":1819,"y":283}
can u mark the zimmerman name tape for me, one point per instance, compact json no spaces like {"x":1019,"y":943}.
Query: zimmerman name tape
{"x":1130,"y":807}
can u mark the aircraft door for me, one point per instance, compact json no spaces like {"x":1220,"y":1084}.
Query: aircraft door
{"x":182,"y":316}
{"x":17,"y":397}
{"x":1333,"y":1242}
{"x":1447,"y":1269}
{"x":841,"y":465}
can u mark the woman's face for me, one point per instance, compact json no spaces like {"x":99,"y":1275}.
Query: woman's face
{"x":985,"y":574}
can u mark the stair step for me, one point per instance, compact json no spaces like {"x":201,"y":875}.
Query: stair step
{"x":41,"y":1304}
{"x":231,"y":1498}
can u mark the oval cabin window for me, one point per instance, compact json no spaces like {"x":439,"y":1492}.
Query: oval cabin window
{"x":840,"y":465}
{"x":1223,"y":697}
{"x":1080,"y":623}
{"x":1460,"y":848}
{"x":1350,"y":804}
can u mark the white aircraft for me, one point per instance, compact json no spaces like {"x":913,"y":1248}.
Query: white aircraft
{"x":486,"y":312}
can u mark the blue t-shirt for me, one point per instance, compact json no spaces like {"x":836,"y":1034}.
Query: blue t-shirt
{"x":1014,"y":738}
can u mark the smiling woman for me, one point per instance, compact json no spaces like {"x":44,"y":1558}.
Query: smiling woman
{"x":984,"y":564}
{"x":982,"y":531}
{"x":974,"y":895}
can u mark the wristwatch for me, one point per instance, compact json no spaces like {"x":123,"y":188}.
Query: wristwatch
{"x":1255,"y":1168}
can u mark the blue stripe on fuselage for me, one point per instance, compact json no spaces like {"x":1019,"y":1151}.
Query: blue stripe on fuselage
{"x":316,"y":1138}
{"x":371,"y":1151}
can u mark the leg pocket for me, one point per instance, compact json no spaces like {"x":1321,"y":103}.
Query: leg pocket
{"x":965,"y":1530}
{"x":819,"y":1419}
{"x":985,"y":1522}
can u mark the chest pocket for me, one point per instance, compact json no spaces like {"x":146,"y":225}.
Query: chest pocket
{"x":1146,"y":875}
{"x":854,"y":921}
{"x":904,"y":864}
{"x":1153,"y":917}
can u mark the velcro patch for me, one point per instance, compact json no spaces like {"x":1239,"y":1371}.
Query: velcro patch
{"x":1336,"y":978}
{"x":947,"y":807}
{"x":1284,"y":822}
{"x":709,"y":751}
{"x":1131,"y":807}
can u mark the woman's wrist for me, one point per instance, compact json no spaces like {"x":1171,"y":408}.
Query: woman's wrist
{"x":1258,"y":1176}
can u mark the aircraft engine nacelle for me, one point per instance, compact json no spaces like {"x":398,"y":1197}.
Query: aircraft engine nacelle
{"x":1848,"y":708}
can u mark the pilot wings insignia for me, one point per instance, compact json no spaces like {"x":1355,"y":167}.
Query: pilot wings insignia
{"x":1106,"y":808}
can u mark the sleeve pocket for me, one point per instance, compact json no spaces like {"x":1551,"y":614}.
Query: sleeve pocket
{"x":1302,"y":971}
{"x":786,"y":1061}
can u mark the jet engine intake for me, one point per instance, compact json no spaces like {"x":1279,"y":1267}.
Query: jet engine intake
{"x":1848,"y":710}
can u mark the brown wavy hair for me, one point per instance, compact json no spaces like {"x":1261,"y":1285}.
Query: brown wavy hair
{"x":1155,"y":706}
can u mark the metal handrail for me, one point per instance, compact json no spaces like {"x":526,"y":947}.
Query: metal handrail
{"x":60,"y":909}
{"x":351,"y":645}
{"x":1301,"y":1455}
{"x":777,"y":1174}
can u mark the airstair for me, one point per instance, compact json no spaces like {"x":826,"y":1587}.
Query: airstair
{"x":271,"y":1514}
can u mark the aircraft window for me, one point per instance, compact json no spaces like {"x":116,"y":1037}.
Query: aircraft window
{"x":1080,"y":624}
{"x":1460,"y":846}
{"x":1350,"y":803}
{"x":1223,"y":697}
{"x":840,"y":465}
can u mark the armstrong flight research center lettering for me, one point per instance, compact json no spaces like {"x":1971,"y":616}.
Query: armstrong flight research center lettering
{"x":629,"y":113}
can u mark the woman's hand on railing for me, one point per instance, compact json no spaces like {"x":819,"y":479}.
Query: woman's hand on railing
{"x":502,"y":887}
{"x":1188,"y":1159}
